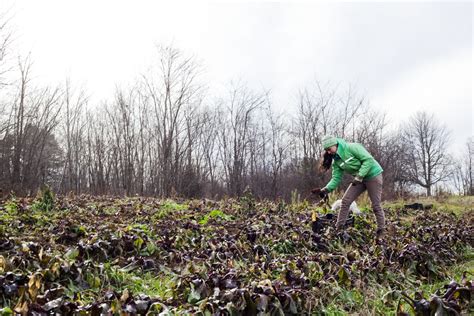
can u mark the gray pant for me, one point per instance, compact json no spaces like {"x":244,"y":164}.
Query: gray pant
{"x":374,"y":188}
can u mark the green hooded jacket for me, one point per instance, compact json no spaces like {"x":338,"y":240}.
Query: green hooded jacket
{"x":354,"y":159}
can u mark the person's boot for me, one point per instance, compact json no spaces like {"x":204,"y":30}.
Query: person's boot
{"x":380,"y":236}
{"x":342,"y":235}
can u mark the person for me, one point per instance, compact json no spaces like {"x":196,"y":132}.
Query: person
{"x":354,"y":159}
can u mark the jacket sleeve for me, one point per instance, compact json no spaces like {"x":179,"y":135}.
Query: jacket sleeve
{"x":336,"y":178}
{"x":366,"y":159}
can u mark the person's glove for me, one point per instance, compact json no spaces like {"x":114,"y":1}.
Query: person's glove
{"x":323,"y":193}
{"x":357,"y":180}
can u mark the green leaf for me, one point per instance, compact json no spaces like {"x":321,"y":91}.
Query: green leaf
{"x":138,"y":243}
{"x":72,"y":253}
{"x":194,"y":295}
{"x":6,"y":311}
{"x":343,"y":276}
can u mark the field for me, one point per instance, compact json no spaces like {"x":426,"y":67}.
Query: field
{"x":87,"y":255}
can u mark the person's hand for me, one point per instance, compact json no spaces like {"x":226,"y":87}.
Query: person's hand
{"x":357,"y":180}
{"x":323,"y":193}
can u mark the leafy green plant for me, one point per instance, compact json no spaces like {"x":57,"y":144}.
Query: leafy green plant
{"x":11,"y":206}
{"x":157,"y":285}
{"x":295,"y":197}
{"x":214,"y":214}
{"x":285,"y":246}
{"x":8,"y":213}
{"x":139,"y":228}
{"x":45,"y":200}
{"x":247,"y":200}
{"x":173,"y":206}
{"x":6,"y":311}
{"x":167,"y":208}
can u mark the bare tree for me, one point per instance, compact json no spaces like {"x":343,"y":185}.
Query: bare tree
{"x":234,"y":134}
{"x":369,"y":129}
{"x":469,"y":161}
{"x":390,"y":153}
{"x":73,"y":125}
{"x":278,"y":149}
{"x":124,"y":126}
{"x":463,"y":168}
{"x":5,"y":43}
{"x":97,"y":155}
{"x":171,"y":87}
{"x":208,"y":142}
{"x":427,"y":154}
{"x":33,"y":151}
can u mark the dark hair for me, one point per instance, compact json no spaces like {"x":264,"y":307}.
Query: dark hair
{"x":326,"y":161}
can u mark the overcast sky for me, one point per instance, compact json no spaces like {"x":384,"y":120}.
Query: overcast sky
{"x":404,"y":57}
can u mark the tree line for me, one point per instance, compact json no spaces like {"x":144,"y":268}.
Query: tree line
{"x":166,"y":135}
